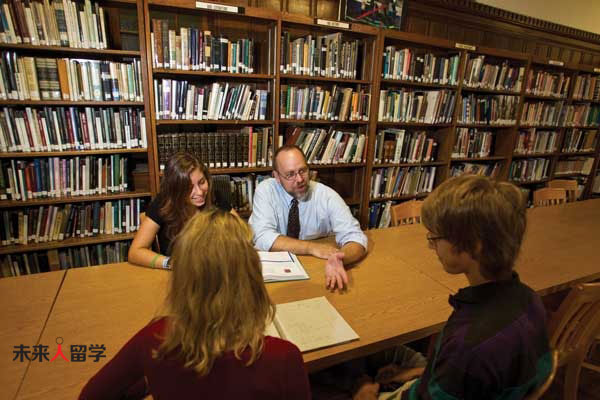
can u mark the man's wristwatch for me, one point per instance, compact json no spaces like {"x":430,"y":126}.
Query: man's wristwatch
{"x":165,"y":263}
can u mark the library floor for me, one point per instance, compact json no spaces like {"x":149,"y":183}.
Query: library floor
{"x":589,"y":386}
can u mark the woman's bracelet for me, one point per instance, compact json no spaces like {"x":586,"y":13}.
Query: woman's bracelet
{"x":154,"y":260}
{"x":165,"y":263}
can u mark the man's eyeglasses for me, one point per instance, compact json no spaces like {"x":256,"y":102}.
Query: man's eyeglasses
{"x":303,"y":172}
{"x":432,"y":239}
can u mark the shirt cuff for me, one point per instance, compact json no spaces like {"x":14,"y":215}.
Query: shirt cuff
{"x":359,"y":238}
{"x":266,"y":240}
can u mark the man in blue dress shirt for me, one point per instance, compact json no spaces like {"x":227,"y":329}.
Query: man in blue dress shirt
{"x":289,"y":210}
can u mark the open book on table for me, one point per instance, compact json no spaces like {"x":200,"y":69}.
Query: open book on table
{"x":310,"y":324}
{"x":281,"y":266}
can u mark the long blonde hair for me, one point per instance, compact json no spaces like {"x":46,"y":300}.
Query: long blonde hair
{"x":217,"y":300}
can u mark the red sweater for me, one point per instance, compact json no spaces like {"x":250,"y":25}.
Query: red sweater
{"x":278,"y":374}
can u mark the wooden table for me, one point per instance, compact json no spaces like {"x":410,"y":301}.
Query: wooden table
{"x":397,"y":294}
{"x":108,"y":304}
{"x":559,"y":248}
{"x":97,"y":305}
{"x":25,"y":304}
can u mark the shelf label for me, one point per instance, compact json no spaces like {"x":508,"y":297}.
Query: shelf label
{"x":335,"y":24}
{"x":465,"y":46}
{"x":219,"y":7}
{"x":554,"y":62}
{"x":597,"y":70}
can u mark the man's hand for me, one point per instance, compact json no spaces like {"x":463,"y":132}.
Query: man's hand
{"x":335,"y":273}
{"x":393,"y":373}
{"x":321,"y":250}
{"x":368,"y":391}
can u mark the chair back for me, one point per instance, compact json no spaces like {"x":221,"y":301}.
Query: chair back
{"x":573,"y":327}
{"x":569,"y":185}
{"x":406,"y":213}
{"x":549,"y":197}
{"x":540,"y":390}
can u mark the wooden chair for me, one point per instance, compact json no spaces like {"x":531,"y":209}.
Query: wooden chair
{"x":549,"y":197}
{"x":537,"y":393}
{"x":406,"y":213}
{"x":573,"y":329}
{"x":569,"y":185}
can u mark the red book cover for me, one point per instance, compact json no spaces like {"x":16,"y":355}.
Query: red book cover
{"x":27,"y":128}
{"x":29,"y":180}
{"x":70,"y":128}
{"x":84,"y":129}
{"x":38,"y":117}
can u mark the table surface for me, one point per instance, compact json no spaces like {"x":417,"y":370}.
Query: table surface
{"x":397,"y":294}
{"x":25,"y":302}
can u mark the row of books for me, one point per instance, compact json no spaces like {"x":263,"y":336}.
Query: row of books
{"x":483,"y":74}
{"x":543,"y":113}
{"x":587,"y":87}
{"x":582,"y":115}
{"x":248,"y":147}
{"x":72,"y":257}
{"x":488,"y":109}
{"x":491,"y":170}
{"x":580,"y":140}
{"x":529,"y":169}
{"x":192,"y":49}
{"x":184,"y":100}
{"x":39,"y":78}
{"x":56,"y":223}
{"x":407,"y":64}
{"x":401,"y":181}
{"x":406,"y":105}
{"x":71,"y":128}
{"x":574,"y":165}
{"x":380,"y":214}
{"x":67,"y":23}
{"x":472,"y":143}
{"x":399,"y":146}
{"x":62,"y":177}
{"x":331,"y":146}
{"x":596,"y":184}
{"x":237,"y":191}
{"x":319,"y":103}
{"x":547,"y":83}
{"x":320,"y":55}
{"x":536,"y":141}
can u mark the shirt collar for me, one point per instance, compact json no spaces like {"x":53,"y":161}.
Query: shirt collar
{"x":482,"y":293}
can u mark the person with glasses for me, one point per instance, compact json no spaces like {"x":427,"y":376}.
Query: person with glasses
{"x":495,"y":343}
{"x":289,"y":210}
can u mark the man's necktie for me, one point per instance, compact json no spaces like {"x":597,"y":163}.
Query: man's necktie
{"x":293,"y":228}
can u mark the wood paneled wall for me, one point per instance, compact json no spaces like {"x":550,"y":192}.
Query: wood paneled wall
{"x":469,"y":22}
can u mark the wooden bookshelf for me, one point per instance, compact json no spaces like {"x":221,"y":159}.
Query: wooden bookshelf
{"x":266,"y":25}
{"x":256,"y":24}
{"x":70,"y":50}
{"x":71,"y":242}
{"x":121,"y":50}
{"x":81,"y":153}
{"x":73,"y":199}
{"x":71,"y":103}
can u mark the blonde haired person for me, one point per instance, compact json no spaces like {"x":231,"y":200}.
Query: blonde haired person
{"x":212,"y":344}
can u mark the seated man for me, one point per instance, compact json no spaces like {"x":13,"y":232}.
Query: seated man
{"x":495,"y":343}
{"x":289,"y":210}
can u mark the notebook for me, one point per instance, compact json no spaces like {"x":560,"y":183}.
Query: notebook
{"x":280,"y":266}
{"x":310,"y":324}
